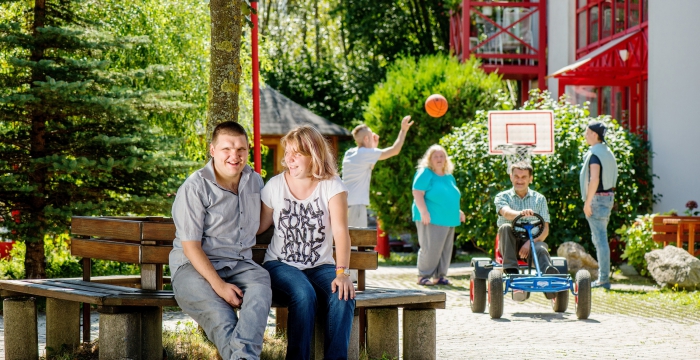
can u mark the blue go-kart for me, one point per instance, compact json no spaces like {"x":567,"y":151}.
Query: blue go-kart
{"x":522,"y":284}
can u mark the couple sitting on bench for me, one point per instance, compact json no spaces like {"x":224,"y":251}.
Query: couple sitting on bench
{"x":521,"y":200}
{"x":217,"y":213}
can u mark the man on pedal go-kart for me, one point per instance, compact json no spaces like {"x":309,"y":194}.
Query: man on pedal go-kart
{"x":522,"y":201}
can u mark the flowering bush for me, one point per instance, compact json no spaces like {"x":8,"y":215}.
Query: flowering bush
{"x":639,"y":241}
{"x":690,"y":206}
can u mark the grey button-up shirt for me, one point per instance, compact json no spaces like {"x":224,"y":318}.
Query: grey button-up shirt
{"x":224,"y":222}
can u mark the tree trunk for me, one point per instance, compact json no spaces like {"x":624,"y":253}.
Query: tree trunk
{"x":225,"y":74}
{"x":34,"y":264}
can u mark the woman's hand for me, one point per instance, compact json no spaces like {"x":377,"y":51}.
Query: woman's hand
{"x":462,"y":217}
{"x":343,"y":284}
{"x":425,"y":217}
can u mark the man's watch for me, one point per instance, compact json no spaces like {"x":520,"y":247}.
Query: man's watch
{"x":342,"y":270}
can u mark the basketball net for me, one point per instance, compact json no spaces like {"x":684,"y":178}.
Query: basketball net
{"x":515,"y":153}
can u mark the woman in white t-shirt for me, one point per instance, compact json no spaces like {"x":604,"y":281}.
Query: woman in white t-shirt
{"x":307,"y":204}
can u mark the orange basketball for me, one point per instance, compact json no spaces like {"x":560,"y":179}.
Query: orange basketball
{"x":436,"y":105}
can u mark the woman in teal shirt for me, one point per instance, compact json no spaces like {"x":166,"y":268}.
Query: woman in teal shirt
{"x":436,"y":213}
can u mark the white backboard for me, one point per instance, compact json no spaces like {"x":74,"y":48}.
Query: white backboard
{"x":522,"y":127}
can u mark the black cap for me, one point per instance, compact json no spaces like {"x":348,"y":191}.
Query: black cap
{"x":598,"y":128}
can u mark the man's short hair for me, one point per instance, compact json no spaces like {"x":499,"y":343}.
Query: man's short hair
{"x":359,"y":132}
{"x":521,"y":165}
{"x":228,"y":128}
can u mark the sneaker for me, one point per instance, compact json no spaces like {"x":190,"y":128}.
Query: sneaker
{"x":598,"y":284}
{"x":551,"y":270}
{"x":512,"y":271}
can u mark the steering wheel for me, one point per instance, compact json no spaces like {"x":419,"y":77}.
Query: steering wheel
{"x":518,"y":228}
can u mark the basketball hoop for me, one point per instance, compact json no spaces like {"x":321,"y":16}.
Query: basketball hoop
{"x":516,"y":153}
{"x":520,"y":134}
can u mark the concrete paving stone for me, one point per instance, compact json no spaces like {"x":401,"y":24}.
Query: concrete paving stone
{"x":527,"y":330}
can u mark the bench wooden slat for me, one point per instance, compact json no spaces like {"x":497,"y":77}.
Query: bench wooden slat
{"x":105,"y":250}
{"x":159,"y":231}
{"x":115,"y":228}
{"x":112,"y":295}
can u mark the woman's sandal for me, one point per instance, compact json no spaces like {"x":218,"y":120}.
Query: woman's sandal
{"x":425,"y":282}
{"x":443,"y":281}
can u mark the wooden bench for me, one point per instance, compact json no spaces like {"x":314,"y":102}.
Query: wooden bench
{"x":681,"y":231}
{"x":131,"y":307}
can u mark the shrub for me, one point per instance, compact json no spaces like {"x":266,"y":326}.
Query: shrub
{"x":638,"y":239}
{"x":466,"y":87}
{"x":481,"y":176}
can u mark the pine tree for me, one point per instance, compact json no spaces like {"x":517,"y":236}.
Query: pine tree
{"x":74,"y":139}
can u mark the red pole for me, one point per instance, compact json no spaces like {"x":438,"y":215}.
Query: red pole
{"x":256,"y":87}
{"x":382,"y":247}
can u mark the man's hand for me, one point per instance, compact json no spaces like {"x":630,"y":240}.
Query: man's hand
{"x":587,"y":209}
{"x":524,"y":250}
{"x":230,"y":293}
{"x":527,"y":212}
{"x":406,"y":123}
{"x":343,"y":285}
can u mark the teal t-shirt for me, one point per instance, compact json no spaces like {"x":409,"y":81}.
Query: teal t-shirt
{"x":441,"y":197}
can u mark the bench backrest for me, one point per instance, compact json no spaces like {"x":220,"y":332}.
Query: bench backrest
{"x":148,"y":240}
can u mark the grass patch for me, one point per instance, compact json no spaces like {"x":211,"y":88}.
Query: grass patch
{"x":411,"y":258}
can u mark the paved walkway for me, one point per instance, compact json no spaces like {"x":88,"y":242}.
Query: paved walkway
{"x":530,"y":329}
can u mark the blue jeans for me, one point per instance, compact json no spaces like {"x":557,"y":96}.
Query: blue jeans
{"x":303,"y":292}
{"x":598,"y":221}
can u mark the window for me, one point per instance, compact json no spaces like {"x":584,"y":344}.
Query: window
{"x":600,"y":20}
{"x":633,"y":13}
{"x":593,"y":27}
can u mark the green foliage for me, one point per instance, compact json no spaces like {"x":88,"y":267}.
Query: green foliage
{"x":638,"y":242}
{"x":76,"y":135}
{"x":467,"y":89}
{"x":60,"y":263}
{"x":329,"y":55}
{"x":480,"y":176}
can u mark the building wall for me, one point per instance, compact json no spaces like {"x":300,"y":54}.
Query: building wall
{"x":561,"y":38}
{"x":674,"y":116}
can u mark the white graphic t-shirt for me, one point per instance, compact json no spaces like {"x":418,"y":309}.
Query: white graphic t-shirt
{"x":303,"y":231}
{"x":357,"y":173}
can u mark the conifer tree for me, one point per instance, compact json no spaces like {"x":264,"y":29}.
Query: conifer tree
{"x":74,"y":139}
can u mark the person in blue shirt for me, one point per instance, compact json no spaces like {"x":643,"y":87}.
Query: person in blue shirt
{"x":436,"y":214}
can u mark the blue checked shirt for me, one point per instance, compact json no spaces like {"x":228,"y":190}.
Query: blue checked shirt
{"x":532,"y":200}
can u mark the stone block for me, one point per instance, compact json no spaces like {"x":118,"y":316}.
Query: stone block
{"x":120,"y":336}
{"x":21,"y":329}
{"x":382,"y":333}
{"x":419,"y":334}
{"x":577,"y":258}
{"x":62,"y":325}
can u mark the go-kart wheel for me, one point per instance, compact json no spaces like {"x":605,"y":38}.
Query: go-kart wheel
{"x":583,"y":299}
{"x":561,"y":301}
{"x":495,"y":294}
{"x":477,"y":293}
{"x":519,"y":232}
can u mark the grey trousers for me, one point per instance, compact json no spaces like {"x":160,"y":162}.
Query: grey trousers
{"x":435,"y":251}
{"x":233,"y":338}
{"x":357,"y":215}
{"x":509,"y":247}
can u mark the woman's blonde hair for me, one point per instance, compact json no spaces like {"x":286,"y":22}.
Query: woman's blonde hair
{"x":424,"y":162}
{"x":309,"y":142}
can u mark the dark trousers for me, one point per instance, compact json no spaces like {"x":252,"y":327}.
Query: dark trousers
{"x":509,"y":247}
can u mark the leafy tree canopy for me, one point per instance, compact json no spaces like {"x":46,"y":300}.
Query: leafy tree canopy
{"x":76,"y":139}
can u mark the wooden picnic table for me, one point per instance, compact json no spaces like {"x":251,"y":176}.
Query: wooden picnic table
{"x":692,"y":225}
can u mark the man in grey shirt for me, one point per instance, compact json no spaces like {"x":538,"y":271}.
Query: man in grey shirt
{"x":216,"y":214}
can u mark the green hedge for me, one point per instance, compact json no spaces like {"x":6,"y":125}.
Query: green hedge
{"x":481,"y":176}
{"x":467,"y":89}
